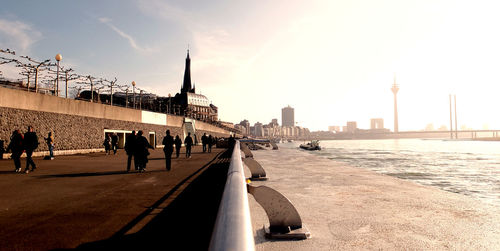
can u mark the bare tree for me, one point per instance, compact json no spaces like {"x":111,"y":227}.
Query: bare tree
{"x":67,"y":75}
{"x":5,"y":60}
{"x":110,"y":84}
{"x":28,"y":72}
{"x":37,"y":66}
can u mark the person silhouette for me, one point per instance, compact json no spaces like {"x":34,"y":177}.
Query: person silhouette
{"x":168,"y":142}
{"x":178,"y":144}
{"x":188,"y":142}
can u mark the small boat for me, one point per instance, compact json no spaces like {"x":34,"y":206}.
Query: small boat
{"x":311,"y":146}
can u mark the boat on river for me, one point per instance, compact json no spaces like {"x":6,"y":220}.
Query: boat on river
{"x":311,"y":146}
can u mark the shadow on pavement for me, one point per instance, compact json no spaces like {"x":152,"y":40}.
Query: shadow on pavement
{"x":93,"y":174}
{"x":185,"y":224}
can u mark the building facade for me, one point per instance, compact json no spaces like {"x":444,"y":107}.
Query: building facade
{"x":287,"y":116}
{"x":190,"y":104}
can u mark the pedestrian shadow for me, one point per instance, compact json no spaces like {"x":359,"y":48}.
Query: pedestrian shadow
{"x":92,"y":174}
{"x":156,"y":158}
{"x":4,"y":172}
{"x":185,"y":224}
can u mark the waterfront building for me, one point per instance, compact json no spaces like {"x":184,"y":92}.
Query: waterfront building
{"x":334,"y":128}
{"x":227,"y":124}
{"x":377,"y":123}
{"x":259,"y":130}
{"x":287,"y":116}
{"x":190,"y":104}
{"x":245,"y":124}
{"x":352,"y":126}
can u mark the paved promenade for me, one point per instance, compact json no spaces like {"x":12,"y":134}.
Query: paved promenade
{"x":91,"y":202}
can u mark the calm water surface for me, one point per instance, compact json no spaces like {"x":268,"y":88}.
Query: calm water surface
{"x":471,"y":168}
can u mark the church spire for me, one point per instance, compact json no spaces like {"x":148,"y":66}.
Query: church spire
{"x":186,"y":85}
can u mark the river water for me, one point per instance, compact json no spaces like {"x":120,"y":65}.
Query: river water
{"x":471,"y":168}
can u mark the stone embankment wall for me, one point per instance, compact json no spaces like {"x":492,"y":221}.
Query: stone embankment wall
{"x":79,"y":124}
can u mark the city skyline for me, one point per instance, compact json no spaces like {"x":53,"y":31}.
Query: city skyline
{"x":333,"y":61}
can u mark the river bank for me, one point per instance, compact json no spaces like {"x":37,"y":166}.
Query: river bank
{"x":348,"y":208}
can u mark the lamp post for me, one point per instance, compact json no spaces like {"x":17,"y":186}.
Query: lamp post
{"x":133,"y":87}
{"x":126,"y":98}
{"x":169,"y":103}
{"x":140,"y":100}
{"x":66,"y":81}
{"x":58,"y":58}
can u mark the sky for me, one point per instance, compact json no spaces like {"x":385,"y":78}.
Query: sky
{"x":333,"y":61}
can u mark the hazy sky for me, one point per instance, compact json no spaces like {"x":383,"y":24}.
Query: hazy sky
{"x":333,"y":61}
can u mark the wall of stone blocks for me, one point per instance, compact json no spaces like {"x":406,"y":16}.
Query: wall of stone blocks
{"x":75,"y":132}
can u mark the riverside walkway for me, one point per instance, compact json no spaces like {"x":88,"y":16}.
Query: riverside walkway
{"x":90,"y":202}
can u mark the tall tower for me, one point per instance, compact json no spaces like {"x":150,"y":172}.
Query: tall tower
{"x":287,"y":116}
{"x":395,"y":89}
{"x":186,"y":84}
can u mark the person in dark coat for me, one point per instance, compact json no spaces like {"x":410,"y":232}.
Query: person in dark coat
{"x":168,"y":142}
{"x":210,"y":142}
{"x":114,"y":142}
{"x":141,"y":153}
{"x":107,"y":143}
{"x":16,"y":146}
{"x":178,"y":144}
{"x":204,"y":141}
{"x":30,"y":144}
{"x":188,"y":142}
{"x":130,"y":150}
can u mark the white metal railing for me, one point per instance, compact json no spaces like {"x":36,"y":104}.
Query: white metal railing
{"x":233,"y":227}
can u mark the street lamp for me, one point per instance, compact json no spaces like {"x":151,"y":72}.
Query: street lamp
{"x":169,"y":103}
{"x":126,"y":98}
{"x":133,"y":85}
{"x":58,"y":58}
{"x":140,"y":100}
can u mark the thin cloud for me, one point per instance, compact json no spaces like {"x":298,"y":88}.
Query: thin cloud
{"x":17,"y":35}
{"x":130,"y":39}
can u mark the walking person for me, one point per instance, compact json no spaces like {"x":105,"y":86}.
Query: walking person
{"x":178,"y":144}
{"x":141,"y":153}
{"x":188,"y":142}
{"x":130,"y":147}
{"x":16,"y":146}
{"x":50,"y":144}
{"x":204,"y":141}
{"x":30,"y":144}
{"x":168,"y":142}
{"x":210,"y":141}
{"x":114,"y":142}
{"x":107,"y":143}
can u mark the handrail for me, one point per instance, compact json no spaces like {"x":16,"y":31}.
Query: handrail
{"x":233,"y":227}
